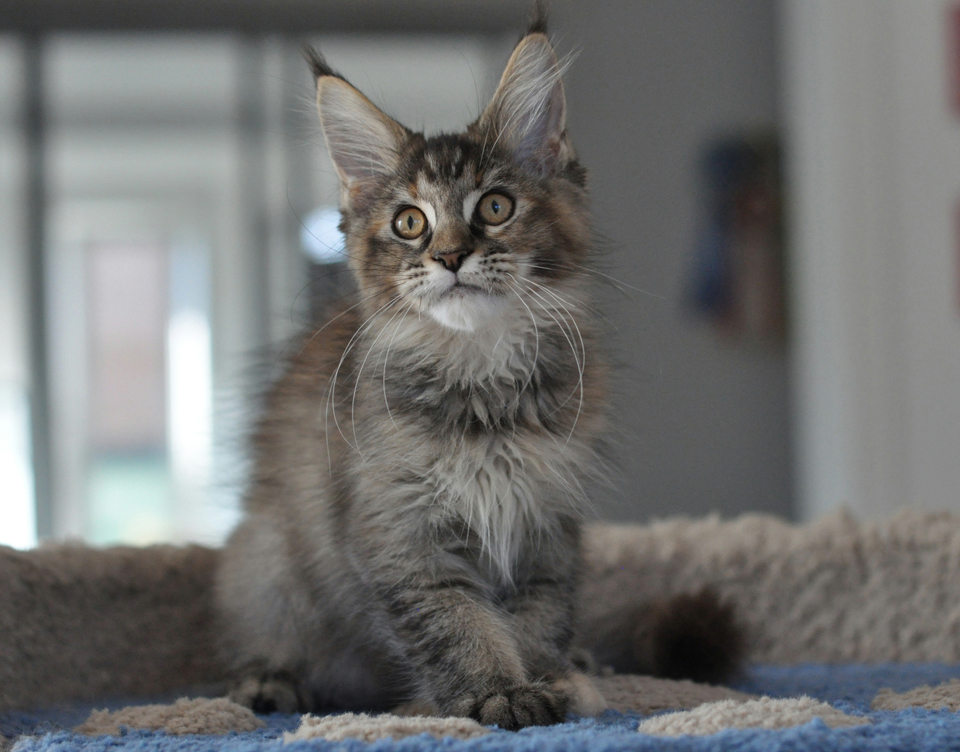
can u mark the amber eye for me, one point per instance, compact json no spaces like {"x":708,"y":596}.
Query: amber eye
{"x":410,"y":223}
{"x":495,"y":209}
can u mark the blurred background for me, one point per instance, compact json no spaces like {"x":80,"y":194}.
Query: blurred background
{"x":776,"y":193}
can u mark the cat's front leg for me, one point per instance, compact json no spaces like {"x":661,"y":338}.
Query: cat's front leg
{"x":540,"y":601}
{"x":462,"y":648}
{"x":543,"y":619}
{"x":542,"y":609}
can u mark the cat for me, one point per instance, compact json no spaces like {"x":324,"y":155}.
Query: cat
{"x":414,"y":515}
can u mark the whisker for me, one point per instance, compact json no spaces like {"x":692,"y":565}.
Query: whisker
{"x":536,"y":332}
{"x":576,"y":419}
{"x":379,"y":289}
{"x":568,"y":336}
{"x":356,"y":383}
{"x":386,"y":361}
{"x":546,"y":263}
{"x":331,"y":399}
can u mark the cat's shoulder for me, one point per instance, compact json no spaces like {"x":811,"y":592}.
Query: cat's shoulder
{"x":317,"y":354}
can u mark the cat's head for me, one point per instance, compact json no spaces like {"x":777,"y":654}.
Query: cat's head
{"x":467,"y":230}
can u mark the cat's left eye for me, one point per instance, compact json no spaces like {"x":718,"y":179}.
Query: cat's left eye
{"x":495,"y":208}
{"x":410,"y":223}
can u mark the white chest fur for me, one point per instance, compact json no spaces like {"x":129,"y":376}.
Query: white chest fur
{"x":505,"y":489}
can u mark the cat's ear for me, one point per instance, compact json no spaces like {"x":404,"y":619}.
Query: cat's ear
{"x":528,"y":112}
{"x":364,"y":143}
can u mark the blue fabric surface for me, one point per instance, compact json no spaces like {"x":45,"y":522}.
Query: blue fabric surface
{"x":849,"y":688}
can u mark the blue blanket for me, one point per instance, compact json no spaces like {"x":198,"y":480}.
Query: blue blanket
{"x":849,"y":688}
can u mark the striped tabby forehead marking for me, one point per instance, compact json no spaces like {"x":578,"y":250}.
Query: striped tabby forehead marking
{"x":445,"y":159}
{"x":450,"y":167}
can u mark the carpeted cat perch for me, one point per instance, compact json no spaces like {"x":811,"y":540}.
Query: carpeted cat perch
{"x":853,"y":636}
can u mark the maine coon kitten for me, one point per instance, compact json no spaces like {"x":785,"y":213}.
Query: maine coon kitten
{"x":413,"y":521}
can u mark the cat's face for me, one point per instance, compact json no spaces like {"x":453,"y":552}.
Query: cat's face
{"x":466,"y":230}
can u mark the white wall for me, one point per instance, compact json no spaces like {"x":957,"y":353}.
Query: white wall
{"x":875,"y":169}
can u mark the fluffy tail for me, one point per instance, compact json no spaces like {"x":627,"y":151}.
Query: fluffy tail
{"x":684,"y":637}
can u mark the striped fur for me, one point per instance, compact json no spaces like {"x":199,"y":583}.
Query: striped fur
{"x":412,"y":526}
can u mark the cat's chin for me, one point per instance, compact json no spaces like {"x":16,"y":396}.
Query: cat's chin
{"x":465,"y":313}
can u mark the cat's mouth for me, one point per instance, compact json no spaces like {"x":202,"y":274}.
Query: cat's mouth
{"x":464,"y":306}
{"x":462,"y":288}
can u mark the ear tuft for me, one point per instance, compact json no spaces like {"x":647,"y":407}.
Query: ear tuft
{"x":317,"y":62}
{"x":538,"y":18}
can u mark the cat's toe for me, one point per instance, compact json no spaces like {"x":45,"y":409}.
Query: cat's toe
{"x":521,"y":706}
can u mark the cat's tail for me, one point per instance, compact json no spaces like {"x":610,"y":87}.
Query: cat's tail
{"x":690,"y":636}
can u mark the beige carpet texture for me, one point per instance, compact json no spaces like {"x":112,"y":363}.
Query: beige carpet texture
{"x":944,"y":696}
{"x":763,"y":713}
{"x":640,"y":694}
{"x":701,"y":710}
{"x":370,"y":728}
{"x":79,"y":623}
{"x":185,"y":716}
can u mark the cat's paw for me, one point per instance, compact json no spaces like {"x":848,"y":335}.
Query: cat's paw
{"x":268,"y":693}
{"x":515,"y":706}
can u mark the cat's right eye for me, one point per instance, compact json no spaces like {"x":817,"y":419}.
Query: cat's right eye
{"x":495,"y":208}
{"x":410,"y":223}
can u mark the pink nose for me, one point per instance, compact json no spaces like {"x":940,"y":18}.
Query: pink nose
{"x":452,"y":260}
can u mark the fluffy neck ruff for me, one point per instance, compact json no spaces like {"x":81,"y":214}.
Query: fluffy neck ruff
{"x":502,"y":403}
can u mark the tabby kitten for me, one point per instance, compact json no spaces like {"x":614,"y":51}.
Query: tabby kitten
{"x":413,"y":523}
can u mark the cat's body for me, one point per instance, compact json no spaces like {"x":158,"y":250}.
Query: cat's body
{"x":413,"y":520}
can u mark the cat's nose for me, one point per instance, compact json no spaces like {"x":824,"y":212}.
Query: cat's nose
{"x":452,"y":259}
